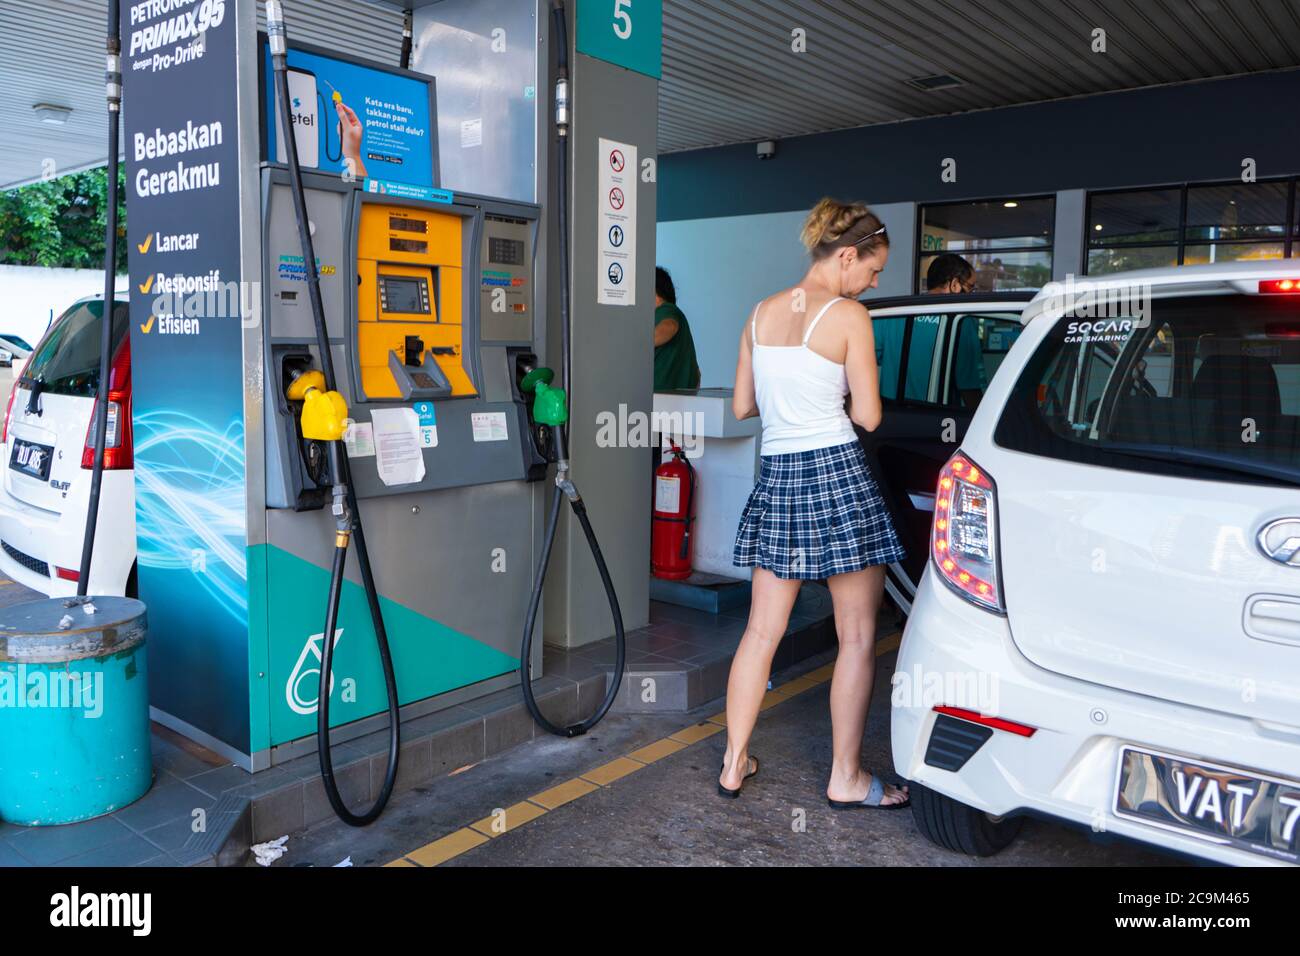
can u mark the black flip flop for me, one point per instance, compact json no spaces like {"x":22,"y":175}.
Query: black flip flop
{"x":875,"y":794}
{"x":733,"y":794}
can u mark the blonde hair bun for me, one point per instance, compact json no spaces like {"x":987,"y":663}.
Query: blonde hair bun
{"x":833,"y":224}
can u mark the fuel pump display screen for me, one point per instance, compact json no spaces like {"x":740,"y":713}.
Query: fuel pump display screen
{"x":404,"y":295}
{"x":408,"y":245}
{"x":402,"y":224}
{"x":505,"y":252}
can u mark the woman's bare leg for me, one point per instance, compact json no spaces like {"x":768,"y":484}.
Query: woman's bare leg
{"x":856,"y":597}
{"x":769,"y":613}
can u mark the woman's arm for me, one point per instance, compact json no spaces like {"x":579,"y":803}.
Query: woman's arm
{"x":864,"y":375}
{"x":743,"y":402}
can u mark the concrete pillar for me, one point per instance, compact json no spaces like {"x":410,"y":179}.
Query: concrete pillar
{"x":613,"y":359}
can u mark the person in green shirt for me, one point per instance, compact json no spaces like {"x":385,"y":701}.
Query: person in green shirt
{"x":675,"y":365}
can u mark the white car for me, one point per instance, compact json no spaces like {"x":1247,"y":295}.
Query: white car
{"x":13,"y":349}
{"x":1107,"y":631}
{"x":48,"y":450}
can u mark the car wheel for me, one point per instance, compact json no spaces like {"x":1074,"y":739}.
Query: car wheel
{"x":957,"y":827}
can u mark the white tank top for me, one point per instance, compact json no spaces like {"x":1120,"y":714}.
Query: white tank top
{"x":800,"y":394}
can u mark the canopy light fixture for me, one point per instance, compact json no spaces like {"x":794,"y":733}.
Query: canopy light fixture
{"x":937,"y":81}
{"x":54,"y":115}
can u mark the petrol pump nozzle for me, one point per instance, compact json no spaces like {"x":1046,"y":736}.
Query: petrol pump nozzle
{"x":550,"y":405}
{"x":324,"y":412}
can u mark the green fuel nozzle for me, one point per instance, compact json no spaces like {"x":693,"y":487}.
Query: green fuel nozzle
{"x":550,"y":405}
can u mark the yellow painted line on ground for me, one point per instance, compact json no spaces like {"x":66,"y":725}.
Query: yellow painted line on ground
{"x":697,"y":732}
{"x":561,"y":794}
{"x":890,"y":643}
{"x":822,"y":674}
{"x":482,"y":831}
{"x":657,"y":750}
{"x":771,"y":699}
{"x":453,"y":844}
{"x":510,"y":818}
{"x":614,"y":770}
{"x":797,"y":686}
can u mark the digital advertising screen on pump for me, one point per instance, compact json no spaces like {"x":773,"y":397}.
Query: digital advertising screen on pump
{"x":353,"y":119}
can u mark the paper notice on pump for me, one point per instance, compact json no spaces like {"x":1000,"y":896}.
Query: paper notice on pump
{"x":489,"y":426}
{"x":616,"y":223}
{"x":471,"y":133}
{"x":359,"y":440}
{"x":398,"y":455}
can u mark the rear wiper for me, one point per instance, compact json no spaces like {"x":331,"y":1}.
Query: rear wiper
{"x":1182,"y":456}
{"x":34,"y":399}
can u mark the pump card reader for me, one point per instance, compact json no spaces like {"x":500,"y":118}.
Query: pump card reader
{"x":410,"y":313}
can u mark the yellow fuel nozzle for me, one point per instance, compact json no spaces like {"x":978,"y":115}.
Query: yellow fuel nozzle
{"x":309,"y":379}
{"x":324,"y":413}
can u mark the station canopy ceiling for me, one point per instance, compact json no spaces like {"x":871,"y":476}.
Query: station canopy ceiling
{"x":730,"y":74}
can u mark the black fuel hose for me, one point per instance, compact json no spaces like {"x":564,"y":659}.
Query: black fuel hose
{"x":407,"y":24}
{"x":113,"y":90}
{"x":339,"y":468}
{"x":565,"y":487}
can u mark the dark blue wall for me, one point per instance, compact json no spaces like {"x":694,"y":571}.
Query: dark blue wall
{"x":1173,"y":134}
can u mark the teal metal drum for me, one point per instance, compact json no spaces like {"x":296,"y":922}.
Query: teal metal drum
{"x":74,"y":709}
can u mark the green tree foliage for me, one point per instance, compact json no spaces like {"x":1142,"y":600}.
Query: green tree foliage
{"x":60,"y":222}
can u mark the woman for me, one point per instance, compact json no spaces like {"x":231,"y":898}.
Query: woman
{"x":815,"y":511}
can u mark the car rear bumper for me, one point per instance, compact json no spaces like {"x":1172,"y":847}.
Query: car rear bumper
{"x":958,"y":655}
{"x":55,"y":539}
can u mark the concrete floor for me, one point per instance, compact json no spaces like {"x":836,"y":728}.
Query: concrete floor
{"x":669,"y":813}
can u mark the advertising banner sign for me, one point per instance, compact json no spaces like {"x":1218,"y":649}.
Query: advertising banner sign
{"x":188,"y":303}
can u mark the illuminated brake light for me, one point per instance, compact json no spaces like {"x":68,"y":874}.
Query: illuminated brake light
{"x":1279,"y":286}
{"x":997,"y":723}
{"x":963,"y":539}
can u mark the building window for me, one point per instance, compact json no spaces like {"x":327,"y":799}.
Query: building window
{"x":1007,"y":241}
{"x":1190,"y":225}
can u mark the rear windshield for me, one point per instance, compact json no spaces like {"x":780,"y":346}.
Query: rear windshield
{"x":67,"y":360}
{"x":1208,"y":387}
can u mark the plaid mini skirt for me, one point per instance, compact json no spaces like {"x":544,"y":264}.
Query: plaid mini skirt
{"x":813,"y":514}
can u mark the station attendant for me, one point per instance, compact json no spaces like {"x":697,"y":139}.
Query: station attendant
{"x":815,"y":511}
{"x":675,"y":364}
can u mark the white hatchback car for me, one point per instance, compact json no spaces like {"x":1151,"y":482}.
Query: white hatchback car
{"x":48,"y":450}
{"x":1107,"y":631}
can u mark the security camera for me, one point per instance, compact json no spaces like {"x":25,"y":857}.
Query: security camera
{"x":767,"y":149}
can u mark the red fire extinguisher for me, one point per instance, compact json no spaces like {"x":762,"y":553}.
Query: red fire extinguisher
{"x":670,"y":538}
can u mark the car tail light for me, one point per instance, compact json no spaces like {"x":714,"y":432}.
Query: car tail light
{"x":118,"y":451}
{"x":67,"y":574}
{"x":1279,"y":286}
{"x":9,"y":410}
{"x":964,"y":536}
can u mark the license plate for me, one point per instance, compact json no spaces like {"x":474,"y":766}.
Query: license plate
{"x":1216,"y":803}
{"x":31,"y":459}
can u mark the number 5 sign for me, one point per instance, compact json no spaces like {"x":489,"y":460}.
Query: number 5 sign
{"x":627,"y":33}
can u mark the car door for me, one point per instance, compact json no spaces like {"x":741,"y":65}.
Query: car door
{"x":936,"y":357}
